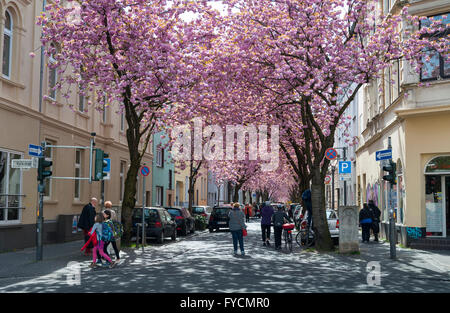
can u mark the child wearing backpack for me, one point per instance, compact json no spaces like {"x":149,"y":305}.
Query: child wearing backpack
{"x":116,"y":233}
{"x":100,"y":228}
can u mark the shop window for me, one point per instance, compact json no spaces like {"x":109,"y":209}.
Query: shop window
{"x":10,"y":189}
{"x":434,"y":205}
{"x":438,"y":165}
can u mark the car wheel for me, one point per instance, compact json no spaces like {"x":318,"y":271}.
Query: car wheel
{"x":211,"y":230}
{"x":174,"y":235}
{"x":160,"y":238}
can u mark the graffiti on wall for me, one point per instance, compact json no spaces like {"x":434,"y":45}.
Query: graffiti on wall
{"x":372,"y":192}
{"x":414,"y":232}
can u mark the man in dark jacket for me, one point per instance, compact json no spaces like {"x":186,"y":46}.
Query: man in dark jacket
{"x":266,"y":220}
{"x":86,"y":221}
{"x":279,"y":218}
{"x":376,"y":219}
{"x":365,"y":220}
{"x":307,"y":203}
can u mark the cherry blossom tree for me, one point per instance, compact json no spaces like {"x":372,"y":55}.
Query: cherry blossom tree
{"x":308,"y":59}
{"x":126,"y":52}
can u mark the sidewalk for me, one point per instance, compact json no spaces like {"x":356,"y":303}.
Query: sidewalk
{"x":55,"y":256}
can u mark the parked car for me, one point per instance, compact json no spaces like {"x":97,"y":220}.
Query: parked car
{"x":333,"y":224}
{"x":292,"y":208}
{"x":184,"y":220}
{"x":219,"y":218}
{"x":278,"y":205}
{"x":159,"y":223}
{"x":202,"y":210}
{"x":298,"y":215}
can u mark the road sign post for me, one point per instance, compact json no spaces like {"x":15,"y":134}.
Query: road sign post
{"x":144,"y":171}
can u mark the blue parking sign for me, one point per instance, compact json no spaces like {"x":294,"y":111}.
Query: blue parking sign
{"x":345,"y":167}
{"x":107,"y":169}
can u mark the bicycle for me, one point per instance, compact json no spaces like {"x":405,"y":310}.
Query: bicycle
{"x":305,"y":237}
{"x":287,"y":235}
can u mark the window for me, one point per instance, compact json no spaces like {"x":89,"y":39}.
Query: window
{"x":435,"y":66}
{"x":7,"y":45}
{"x":387,"y":6}
{"x":10,"y":188}
{"x":159,"y":196}
{"x":81,"y":101}
{"x":105,"y":108}
{"x":52,"y":76}
{"x":78,"y":158}
{"x":48,"y":155}
{"x":159,"y":157}
{"x":122,"y":122}
{"x":123,"y":164}
{"x":170,"y":179}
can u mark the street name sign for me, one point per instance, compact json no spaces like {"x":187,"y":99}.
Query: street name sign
{"x":345,"y":167}
{"x":35,"y":150}
{"x":383,"y":154}
{"x":24,"y":163}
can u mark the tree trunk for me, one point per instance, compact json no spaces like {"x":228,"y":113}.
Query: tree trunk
{"x":129,"y":199}
{"x":323,"y":240}
{"x":236,"y":193}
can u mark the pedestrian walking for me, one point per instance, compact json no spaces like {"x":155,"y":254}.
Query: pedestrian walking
{"x":266,"y":221}
{"x":248,"y":212}
{"x":376,"y":219}
{"x":279,"y":218}
{"x":107,"y":214}
{"x":237,"y":225}
{"x":86,"y":221}
{"x":99,"y":229}
{"x":365,"y":220}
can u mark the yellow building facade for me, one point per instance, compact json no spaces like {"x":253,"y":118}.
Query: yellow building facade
{"x":414,"y":114}
{"x":25,"y":120}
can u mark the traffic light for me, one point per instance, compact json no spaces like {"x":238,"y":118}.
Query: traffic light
{"x":100,"y":164}
{"x":391,"y":168}
{"x":43,"y":172}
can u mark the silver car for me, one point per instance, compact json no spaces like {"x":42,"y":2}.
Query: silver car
{"x":202,"y":210}
{"x":333,"y":223}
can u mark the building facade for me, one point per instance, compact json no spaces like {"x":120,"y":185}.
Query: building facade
{"x":26,"y":120}
{"x":163,"y":172}
{"x":415,"y":119}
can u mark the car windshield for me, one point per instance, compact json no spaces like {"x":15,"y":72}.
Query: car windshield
{"x":198,"y":210}
{"x":221,"y":210}
{"x":174,"y":212}
{"x":331,"y":215}
{"x":150,"y":215}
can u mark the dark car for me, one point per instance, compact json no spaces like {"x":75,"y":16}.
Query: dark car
{"x":219,"y":218}
{"x":185,"y":221}
{"x":159,"y":223}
